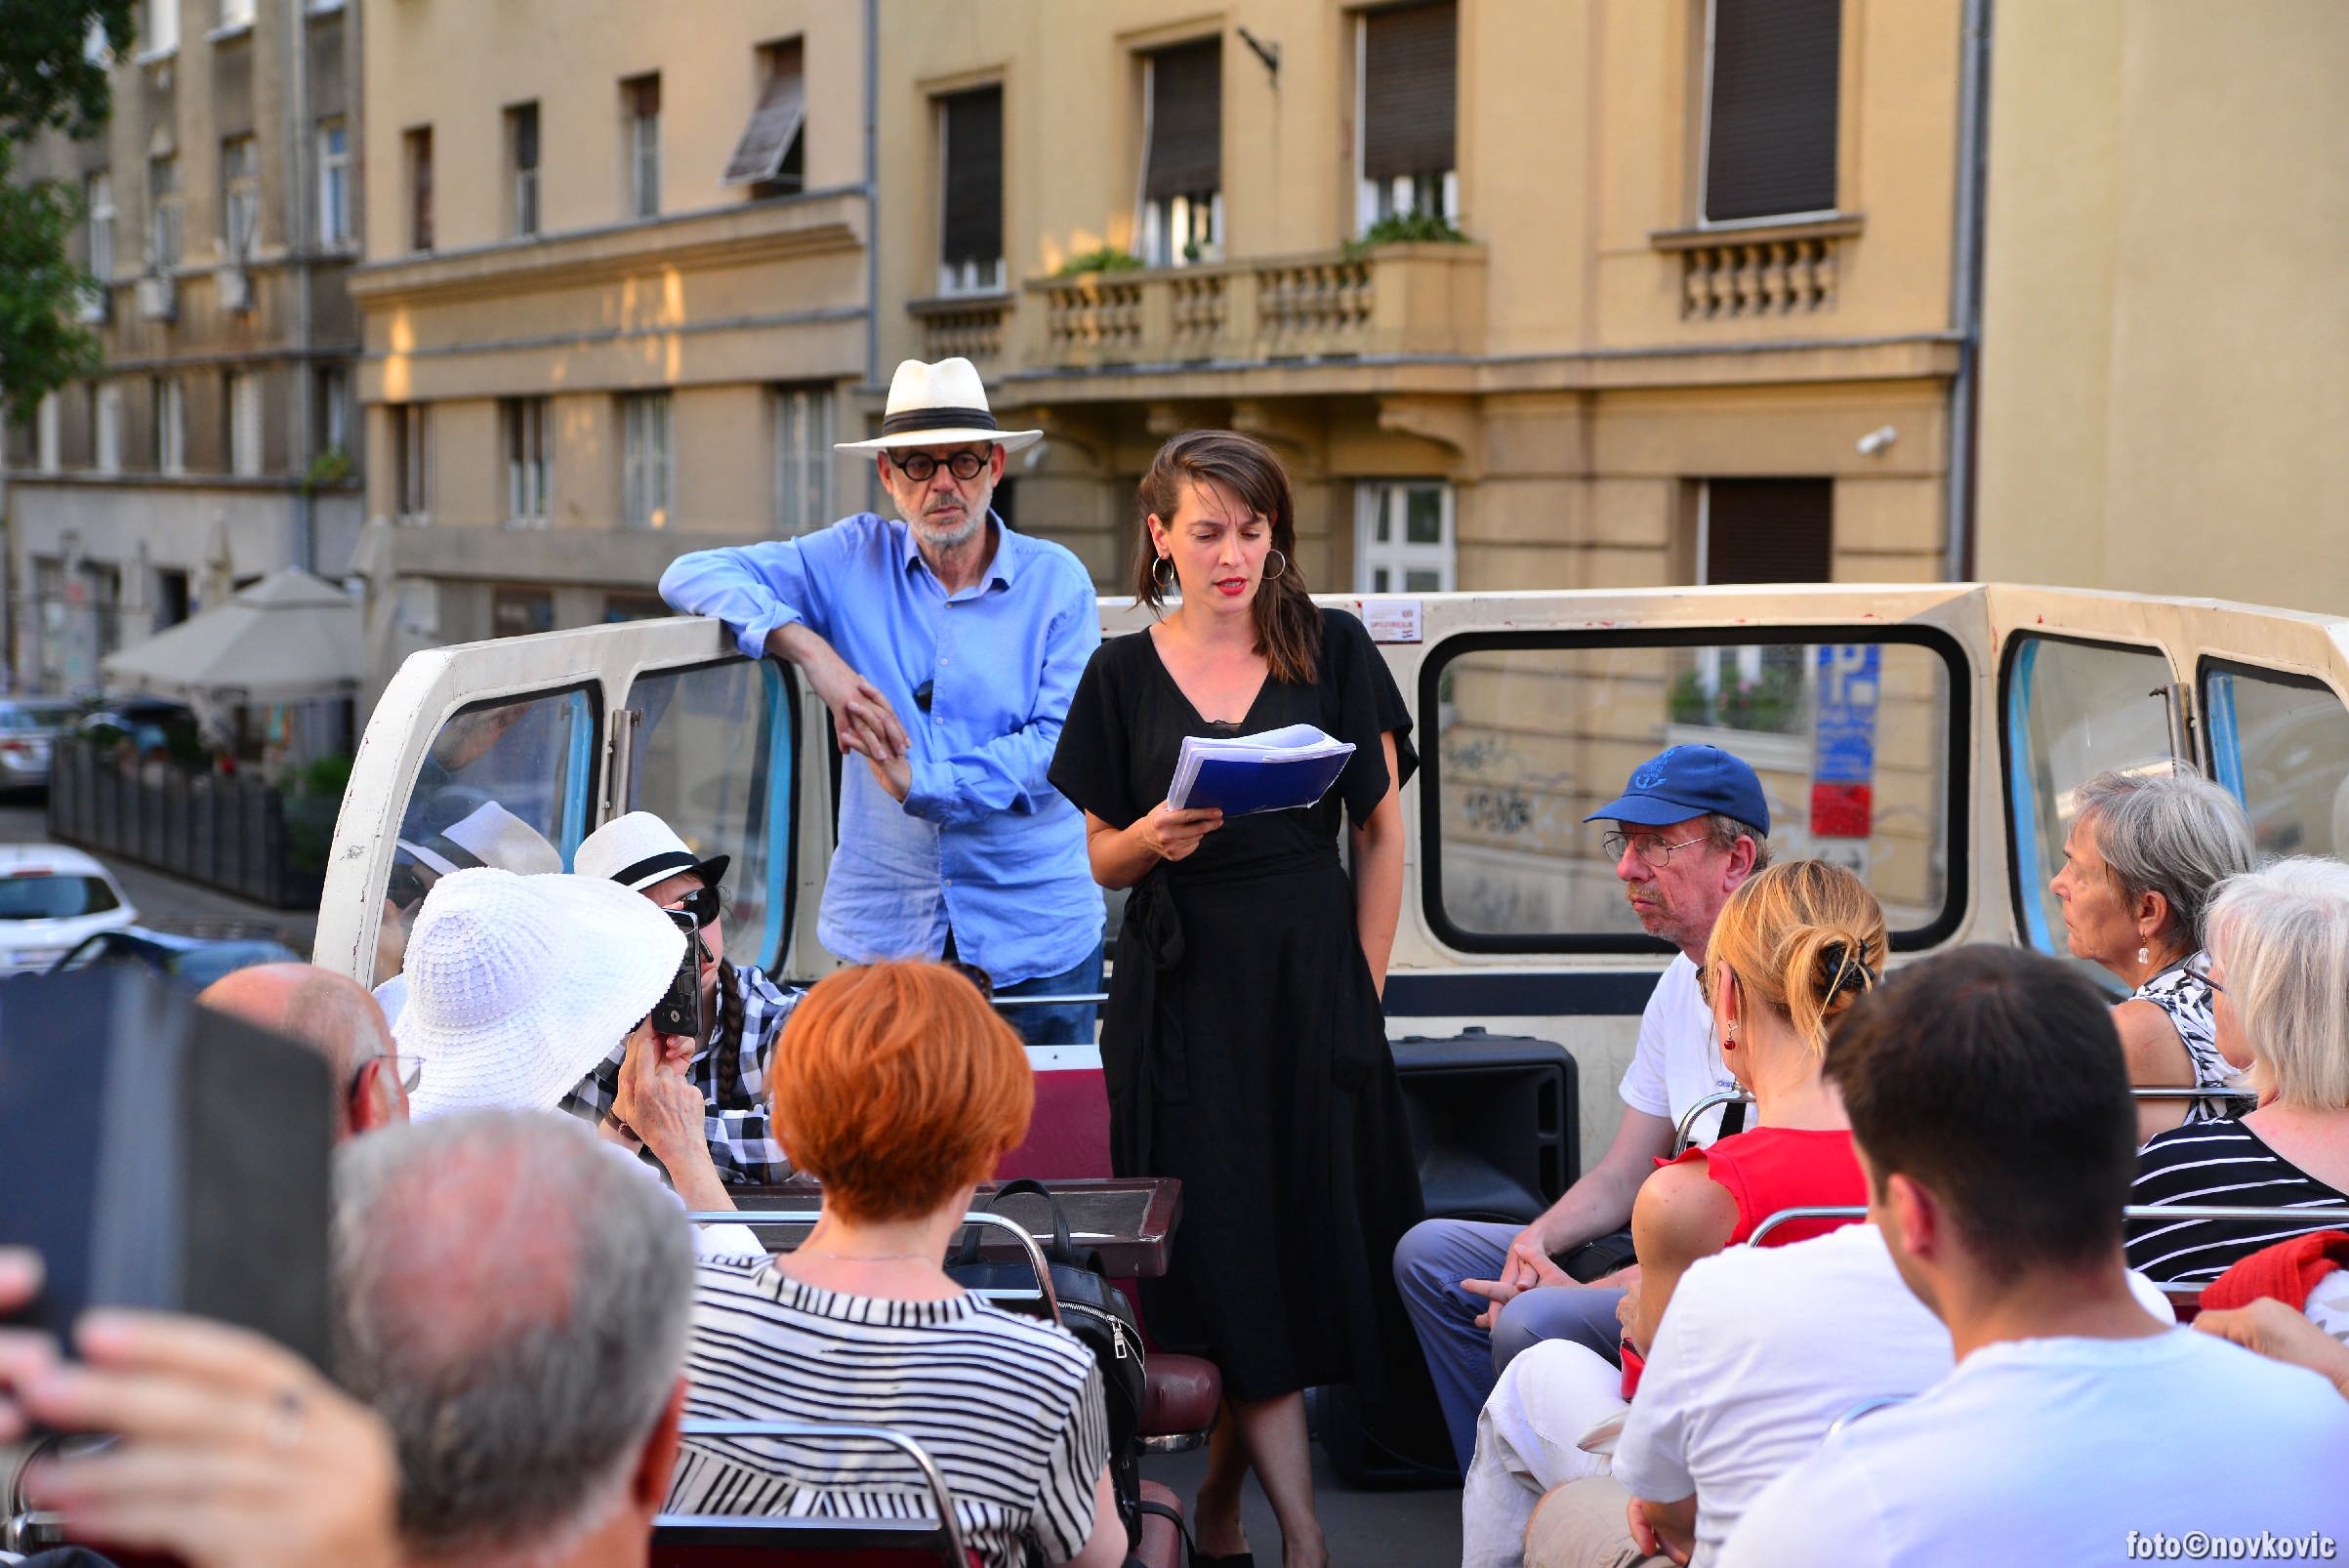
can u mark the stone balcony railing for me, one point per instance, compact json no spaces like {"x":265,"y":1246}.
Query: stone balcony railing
{"x":1759,"y":271}
{"x":1415,"y":299}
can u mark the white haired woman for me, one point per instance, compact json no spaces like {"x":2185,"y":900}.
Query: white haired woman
{"x":2142,"y":856}
{"x":2280,"y":973}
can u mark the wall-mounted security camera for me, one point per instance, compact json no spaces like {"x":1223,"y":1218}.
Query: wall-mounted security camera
{"x":1875,"y":440}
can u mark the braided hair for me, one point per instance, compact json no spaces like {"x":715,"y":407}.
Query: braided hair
{"x":728,"y":1045}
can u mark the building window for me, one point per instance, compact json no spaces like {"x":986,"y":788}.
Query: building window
{"x":334,"y":183}
{"x":164,"y":203}
{"x":1183,"y":170}
{"x":640,"y":107}
{"x":241,"y":198}
{"x":171,"y":426}
{"x":412,"y":463}
{"x":1404,"y":541}
{"x":1771,"y":70}
{"x":244,"y":424}
{"x":417,"y":148}
{"x":644,"y":465}
{"x":970,"y":165}
{"x":522,"y":162}
{"x":529,"y":462}
{"x":803,"y":460}
{"x":97,"y":190}
{"x":1405,"y":92}
{"x":236,"y":13}
{"x":769,"y":157}
{"x":520,"y":611}
{"x":106,"y":418}
{"x":163,"y":27}
{"x":47,"y":444}
{"x":623,"y":607}
{"x":333,"y":423}
{"x":171,"y":597}
{"x":1765,"y":531}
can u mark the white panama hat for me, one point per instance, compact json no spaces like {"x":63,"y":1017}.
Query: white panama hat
{"x":519,"y":985}
{"x":938,"y":405}
{"x":639,"y":850}
{"x":488,"y":836}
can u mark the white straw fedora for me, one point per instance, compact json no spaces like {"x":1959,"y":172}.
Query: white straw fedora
{"x":488,"y":836}
{"x":639,"y":850}
{"x":519,"y":985}
{"x":938,"y":405}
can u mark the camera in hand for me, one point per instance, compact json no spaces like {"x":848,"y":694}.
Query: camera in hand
{"x":678,"y":1011}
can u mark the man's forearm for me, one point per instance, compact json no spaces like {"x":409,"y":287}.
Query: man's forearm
{"x":1598,"y":1204}
{"x":799,"y":644}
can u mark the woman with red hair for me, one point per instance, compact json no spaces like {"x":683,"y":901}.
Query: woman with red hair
{"x":898,"y":1087}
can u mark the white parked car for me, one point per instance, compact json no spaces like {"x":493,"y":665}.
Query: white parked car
{"x":52,"y":899}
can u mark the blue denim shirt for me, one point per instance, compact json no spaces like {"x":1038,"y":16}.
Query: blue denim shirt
{"x":981,"y":841}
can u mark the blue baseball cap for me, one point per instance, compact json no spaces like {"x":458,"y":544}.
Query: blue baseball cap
{"x":1684,"y":781}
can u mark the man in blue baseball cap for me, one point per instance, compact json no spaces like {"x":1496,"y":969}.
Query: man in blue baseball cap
{"x":1688,"y":829}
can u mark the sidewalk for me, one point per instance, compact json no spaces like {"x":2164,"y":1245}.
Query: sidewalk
{"x":163,"y":900}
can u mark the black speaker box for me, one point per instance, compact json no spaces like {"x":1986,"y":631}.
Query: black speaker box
{"x":160,"y":1155}
{"x":1496,"y":1128}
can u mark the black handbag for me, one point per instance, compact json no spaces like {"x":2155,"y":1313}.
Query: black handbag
{"x":1092,"y":1309}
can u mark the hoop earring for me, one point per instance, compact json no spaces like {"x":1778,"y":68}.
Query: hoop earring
{"x":1270,"y":572}
{"x":1162,"y":573}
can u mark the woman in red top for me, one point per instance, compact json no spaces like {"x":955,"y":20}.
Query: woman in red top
{"x":1793,"y":947}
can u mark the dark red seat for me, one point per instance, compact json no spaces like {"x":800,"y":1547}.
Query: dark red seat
{"x":1180,"y":1397}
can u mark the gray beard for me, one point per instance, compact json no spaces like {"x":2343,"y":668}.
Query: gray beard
{"x":963,"y":535}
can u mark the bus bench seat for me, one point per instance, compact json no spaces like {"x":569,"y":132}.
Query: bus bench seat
{"x":1180,"y":1396}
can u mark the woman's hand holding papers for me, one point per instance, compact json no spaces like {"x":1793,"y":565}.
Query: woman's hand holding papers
{"x":1171,"y":834}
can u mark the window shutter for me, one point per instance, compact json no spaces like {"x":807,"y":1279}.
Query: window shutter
{"x":1186,"y":121}
{"x":973,"y":230}
{"x":774,"y":124}
{"x":1770,"y":146}
{"x":525,"y":137}
{"x":1769,"y":531}
{"x":1410,"y":66}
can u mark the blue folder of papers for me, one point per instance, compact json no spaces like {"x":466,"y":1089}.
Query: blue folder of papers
{"x":1278,"y":770}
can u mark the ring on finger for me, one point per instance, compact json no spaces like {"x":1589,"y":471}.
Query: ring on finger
{"x":284,"y":1428}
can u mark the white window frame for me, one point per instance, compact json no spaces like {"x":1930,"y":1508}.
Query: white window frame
{"x":107,"y":437}
{"x":1395,"y":555}
{"x":1375,"y":200}
{"x":334,"y":402}
{"x":241,"y":197}
{"x":166,"y":237}
{"x":1705,"y":155}
{"x":171,"y":426}
{"x":528,"y":439}
{"x":412,"y":459}
{"x":334,"y":181}
{"x":99,"y":187}
{"x":970,"y":275}
{"x":48,"y":443}
{"x":162,"y":36}
{"x":646,"y":459}
{"x":236,"y":15}
{"x":804,"y":464}
{"x":643,"y":161}
{"x":244,"y":415}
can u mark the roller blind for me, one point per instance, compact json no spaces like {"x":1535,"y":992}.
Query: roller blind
{"x":974,"y":229}
{"x":1410,"y":66}
{"x":1770,"y":139}
{"x":1186,"y":121}
{"x":1769,"y":531}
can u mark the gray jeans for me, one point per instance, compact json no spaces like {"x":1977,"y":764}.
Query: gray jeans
{"x":1430,"y":1262}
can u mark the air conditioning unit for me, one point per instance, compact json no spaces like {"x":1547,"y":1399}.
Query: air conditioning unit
{"x":95,"y":304}
{"x":235,"y":286}
{"x":159,"y":297}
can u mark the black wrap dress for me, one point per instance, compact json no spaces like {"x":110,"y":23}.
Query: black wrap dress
{"x":1242,"y":1043}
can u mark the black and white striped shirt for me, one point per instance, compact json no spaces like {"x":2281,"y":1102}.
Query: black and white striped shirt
{"x":1008,"y":1408}
{"x":2219,"y":1162}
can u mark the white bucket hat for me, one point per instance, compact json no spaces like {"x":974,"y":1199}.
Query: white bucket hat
{"x":519,"y":985}
{"x":639,"y":850}
{"x":488,"y":836}
{"x":938,"y":405}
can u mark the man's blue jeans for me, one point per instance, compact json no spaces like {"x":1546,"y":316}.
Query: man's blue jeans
{"x":1067,"y":1024}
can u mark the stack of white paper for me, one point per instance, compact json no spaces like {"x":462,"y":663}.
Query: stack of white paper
{"x":1276,"y":770}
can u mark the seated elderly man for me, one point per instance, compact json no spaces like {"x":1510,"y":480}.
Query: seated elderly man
{"x":334,"y":1016}
{"x":515,"y":1306}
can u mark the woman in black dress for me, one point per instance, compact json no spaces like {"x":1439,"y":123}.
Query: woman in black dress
{"x":1242,"y":1044}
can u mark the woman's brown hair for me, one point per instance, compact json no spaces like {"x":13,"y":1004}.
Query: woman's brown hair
{"x":1805,"y":939}
{"x":1288,"y":624}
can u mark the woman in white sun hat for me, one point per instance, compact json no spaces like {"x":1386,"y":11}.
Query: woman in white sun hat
{"x":517,"y":986}
{"x":742,"y":1010}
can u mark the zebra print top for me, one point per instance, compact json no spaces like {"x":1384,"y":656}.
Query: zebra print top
{"x":2218,"y":1163}
{"x":1008,"y":1407}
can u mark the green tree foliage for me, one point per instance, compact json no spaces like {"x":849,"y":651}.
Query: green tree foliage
{"x":47,"y":82}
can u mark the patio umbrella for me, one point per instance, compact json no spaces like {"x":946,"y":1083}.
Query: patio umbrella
{"x":288,"y":638}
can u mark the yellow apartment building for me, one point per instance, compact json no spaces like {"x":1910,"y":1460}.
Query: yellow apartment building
{"x":614,"y":298}
{"x":1664,"y":290}
{"x":2165,"y":352}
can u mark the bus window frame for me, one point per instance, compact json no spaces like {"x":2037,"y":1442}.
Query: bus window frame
{"x":783,"y":871}
{"x":2230,"y":776}
{"x":586,"y":771}
{"x":2013,"y":649}
{"x":1956,"y":667}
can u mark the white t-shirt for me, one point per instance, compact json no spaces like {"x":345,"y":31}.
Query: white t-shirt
{"x":1677,"y":1063}
{"x":2067,"y":1451}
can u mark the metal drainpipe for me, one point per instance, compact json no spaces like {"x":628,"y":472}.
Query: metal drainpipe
{"x":1965,"y":287}
{"x":302,"y":548}
{"x":872,"y":192}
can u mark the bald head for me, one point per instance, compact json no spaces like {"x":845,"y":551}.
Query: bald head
{"x":331,"y":1013}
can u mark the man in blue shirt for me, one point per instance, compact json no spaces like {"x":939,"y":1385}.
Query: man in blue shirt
{"x":947,"y":647}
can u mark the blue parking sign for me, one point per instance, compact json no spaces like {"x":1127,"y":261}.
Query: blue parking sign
{"x":1843,"y":745}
